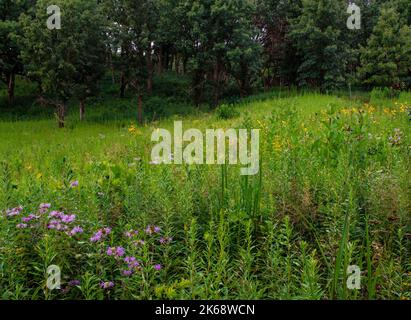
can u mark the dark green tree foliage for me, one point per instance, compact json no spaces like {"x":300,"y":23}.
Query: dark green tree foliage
{"x":386,"y":60}
{"x":65,"y":61}
{"x":133,"y":35}
{"x":221,"y":42}
{"x":279,"y":58}
{"x":10,"y":62}
{"x":225,"y":47}
{"x":319,"y":34}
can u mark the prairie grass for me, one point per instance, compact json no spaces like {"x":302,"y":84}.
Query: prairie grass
{"x":333,"y":190}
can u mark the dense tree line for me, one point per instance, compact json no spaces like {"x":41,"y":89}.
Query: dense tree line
{"x":216,"y":43}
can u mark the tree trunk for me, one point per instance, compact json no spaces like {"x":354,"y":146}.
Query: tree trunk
{"x":140,"y":109}
{"x":160,"y":60}
{"x":123,"y":85}
{"x":10,"y":88}
{"x":82,"y":109}
{"x":216,"y":84}
{"x":149,"y":71}
{"x":185,"y":60}
{"x":61,"y":114}
{"x":110,"y":58}
{"x":198,"y":87}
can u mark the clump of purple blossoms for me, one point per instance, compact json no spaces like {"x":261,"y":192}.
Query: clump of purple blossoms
{"x":139,"y":243}
{"x":44,"y":207}
{"x":165,"y":240}
{"x":60,"y":221}
{"x":74,"y":184}
{"x":396,"y":139}
{"x":26,"y":220}
{"x":74,"y":283}
{"x":157,"y":267}
{"x":76,"y":230}
{"x":116,"y":251}
{"x":14,"y":212}
{"x":132,"y":265}
{"x":152,"y":229}
{"x":131,"y":233}
{"x":100,"y":234}
{"x":56,"y":225}
{"x":106,"y":285}
{"x":29,"y":218}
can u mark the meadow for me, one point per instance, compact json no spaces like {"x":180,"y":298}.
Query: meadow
{"x":333,"y":190}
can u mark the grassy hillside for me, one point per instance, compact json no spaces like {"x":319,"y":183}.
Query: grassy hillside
{"x":333,"y":191}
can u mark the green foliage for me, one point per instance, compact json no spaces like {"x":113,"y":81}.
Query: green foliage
{"x":386,"y":60}
{"x":226,"y":112}
{"x":67,"y":60}
{"x":319,"y":33}
{"x":332,"y":192}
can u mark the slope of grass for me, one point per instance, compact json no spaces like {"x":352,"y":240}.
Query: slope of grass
{"x":333,"y":191}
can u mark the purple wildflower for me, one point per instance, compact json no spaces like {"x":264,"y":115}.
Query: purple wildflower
{"x":116,"y":251}
{"x":21,"y":226}
{"x":152,"y":229}
{"x":106,"y":285}
{"x":68,"y":218}
{"x":120,"y":251}
{"x":74,"y":283}
{"x":43,"y":208}
{"x":139,"y":243}
{"x":131,"y":233}
{"x":110,"y":251}
{"x":129,"y":259}
{"x":100,"y":234}
{"x":157,"y":267}
{"x":29,"y":218}
{"x":56,"y":214}
{"x":76,"y":230}
{"x":127,"y":273}
{"x":97,"y":236}
{"x":14,"y":212}
{"x":165,"y":240}
{"x":74,"y":184}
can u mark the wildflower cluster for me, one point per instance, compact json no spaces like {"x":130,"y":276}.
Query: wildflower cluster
{"x":14,"y":212}
{"x":100,"y":235}
{"x":133,"y":130}
{"x":395,"y":139}
{"x":129,"y":264}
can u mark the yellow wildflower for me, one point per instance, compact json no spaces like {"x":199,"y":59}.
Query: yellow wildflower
{"x":277,"y":145}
